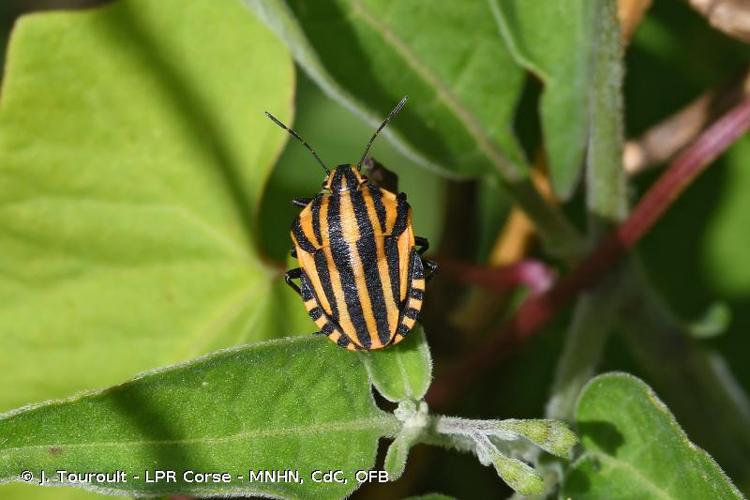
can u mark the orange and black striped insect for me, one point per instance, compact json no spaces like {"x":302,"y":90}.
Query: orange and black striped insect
{"x":361,"y":274}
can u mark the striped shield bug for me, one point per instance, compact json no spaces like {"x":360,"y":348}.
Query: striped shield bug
{"x":361,"y":274}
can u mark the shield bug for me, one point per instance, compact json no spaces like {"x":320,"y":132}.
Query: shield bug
{"x":361,"y":274}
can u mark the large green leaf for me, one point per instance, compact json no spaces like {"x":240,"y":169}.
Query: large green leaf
{"x":553,"y":39}
{"x":299,"y":404}
{"x":133,"y":151}
{"x":634,"y":448}
{"x":447,"y":56}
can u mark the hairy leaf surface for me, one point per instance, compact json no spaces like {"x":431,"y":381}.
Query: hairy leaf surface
{"x":403,"y":371}
{"x":553,"y":40}
{"x":634,"y":447}
{"x":297,"y":405}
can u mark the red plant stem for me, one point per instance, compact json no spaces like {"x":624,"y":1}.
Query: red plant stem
{"x":537,"y":311}
{"x":534,"y":274}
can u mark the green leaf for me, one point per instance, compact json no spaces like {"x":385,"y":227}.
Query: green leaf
{"x":302,"y":404}
{"x":714,"y":322}
{"x":133,"y":152}
{"x":33,"y":492}
{"x":396,"y":456}
{"x":449,"y":58}
{"x":554,"y":40}
{"x":404,"y":371}
{"x":519,"y":475}
{"x":634,"y":448}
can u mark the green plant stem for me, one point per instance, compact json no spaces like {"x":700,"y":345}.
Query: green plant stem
{"x":606,"y":200}
{"x":606,"y":189}
{"x":587,"y":336}
{"x":693,"y":381}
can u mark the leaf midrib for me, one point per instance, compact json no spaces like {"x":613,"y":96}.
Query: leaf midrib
{"x":443,"y":92}
{"x":384,"y":423}
{"x":616,"y":462}
{"x":404,"y":375}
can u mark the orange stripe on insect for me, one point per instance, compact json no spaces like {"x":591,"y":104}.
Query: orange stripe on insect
{"x":351,"y":229}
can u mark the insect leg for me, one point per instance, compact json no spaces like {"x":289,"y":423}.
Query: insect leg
{"x":430,"y":269}
{"x":301,"y":202}
{"x":293,"y":274}
{"x":422,"y":244}
{"x":293,"y":252}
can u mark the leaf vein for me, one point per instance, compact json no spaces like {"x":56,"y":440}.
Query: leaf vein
{"x":508,"y":169}
{"x":379,"y":423}
{"x":615,"y":463}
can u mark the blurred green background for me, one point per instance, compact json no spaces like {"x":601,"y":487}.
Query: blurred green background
{"x":699,"y":254}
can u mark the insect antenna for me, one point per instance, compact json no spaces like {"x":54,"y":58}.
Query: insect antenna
{"x":300,"y":139}
{"x":390,"y":117}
